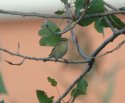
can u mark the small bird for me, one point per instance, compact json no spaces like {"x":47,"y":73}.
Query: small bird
{"x":60,"y":49}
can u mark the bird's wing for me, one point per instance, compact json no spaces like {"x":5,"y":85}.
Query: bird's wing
{"x":50,"y":55}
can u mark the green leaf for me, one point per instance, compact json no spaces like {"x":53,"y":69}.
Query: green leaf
{"x":2,"y":86}
{"x":122,"y":8}
{"x":43,"y":98}
{"x":96,"y":6}
{"x":80,"y":89}
{"x":2,"y":101}
{"x":88,"y":21}
{"x":79,"y":4}
{"x":64,"y":1}
{"x":116,"y":22}
{"x":52,"y":81}
{"x":98,"y":26}
{"x":82,"y":85}
{"x":60,"y":12}
{"x":103,"y":22}
{"x":48,"y":38}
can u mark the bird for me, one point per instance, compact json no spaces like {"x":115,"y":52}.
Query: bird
{"x":59,"y":49}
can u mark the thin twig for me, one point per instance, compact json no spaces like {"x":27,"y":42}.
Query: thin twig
{"x":74,"y":38}
{"x":59,"y":93}
{"x":110,"y":24}
{"x":116,"y":48}
{"x":42,"y":59}
{"x":18,"y":64}
{"x":110,"y":6}
{"x":72,"y":24}
{"x":18,"y":49}
{"x":104,"y":14}
{"x":75,"y":41}
{"x":91,"y":62}
{"x":33,"y":14}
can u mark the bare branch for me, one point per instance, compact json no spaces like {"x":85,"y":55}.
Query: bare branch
{"x":110,"y":24}
{"x":42,"y":59}
{"x":110,"y":6}
{"x":116,"y":48}
{"x":74,"y":38}
{"x":18,"y":64}
{"x":91,"y":62}
{"x":80,"y":51}
{"x":70,"y":25}
{"x":104,"y":14}
{"x":33,"y":14}
{"x":18,"y":49}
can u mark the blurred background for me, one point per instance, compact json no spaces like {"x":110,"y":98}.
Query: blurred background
{"x":106,"y":80}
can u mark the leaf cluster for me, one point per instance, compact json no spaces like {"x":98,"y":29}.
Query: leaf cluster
{"x":50,"y":37}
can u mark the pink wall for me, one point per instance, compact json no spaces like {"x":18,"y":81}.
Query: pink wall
{"x":22,"y":81}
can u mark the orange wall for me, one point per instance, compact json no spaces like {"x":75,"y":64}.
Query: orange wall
{"x":22,"y":81}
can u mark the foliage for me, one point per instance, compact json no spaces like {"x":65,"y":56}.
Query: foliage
{"x":80,"y":89}
{"x":49,"y":33}
{"x":60,"y":12}
{"x":43,"y":98}
{"x":95,"y":6}
{"x":64,"y":1}
{"x":79,"y":4}
{"x":2,"y":101}
{"x":48,"y":38}
{"x":98,"y":26}
{"x":52,"y":81}
{"x":122,"y":8}
{"x":2,"y":86}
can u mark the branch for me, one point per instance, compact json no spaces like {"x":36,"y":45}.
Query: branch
{"x":18,"y":49}
{"x":40,"y":59}
{"x":71,"y":24}
{"x":110,"y":6}
{"x":104,"y":14}
{"x":107,"y":41}
{"x":18,"y":64}
{"x":75,"y":41}
{"x":110,"y":24}
{"x":116,"y":48}
{"x":33,"y":14}
{"x":91,"y":62}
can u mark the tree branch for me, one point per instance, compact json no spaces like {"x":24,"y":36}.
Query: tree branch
{"x":110,"y":6}
{"x":33,"y":14}
{"x":71,"y":24}
{"x":75,"y":41}
{"x":110,"y":24}
{"x":104,"y":14}
{"x":91,"y":62}
{"x":116,"y":48}
{"x":18,"y":64}
{"x":41,"y":59}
